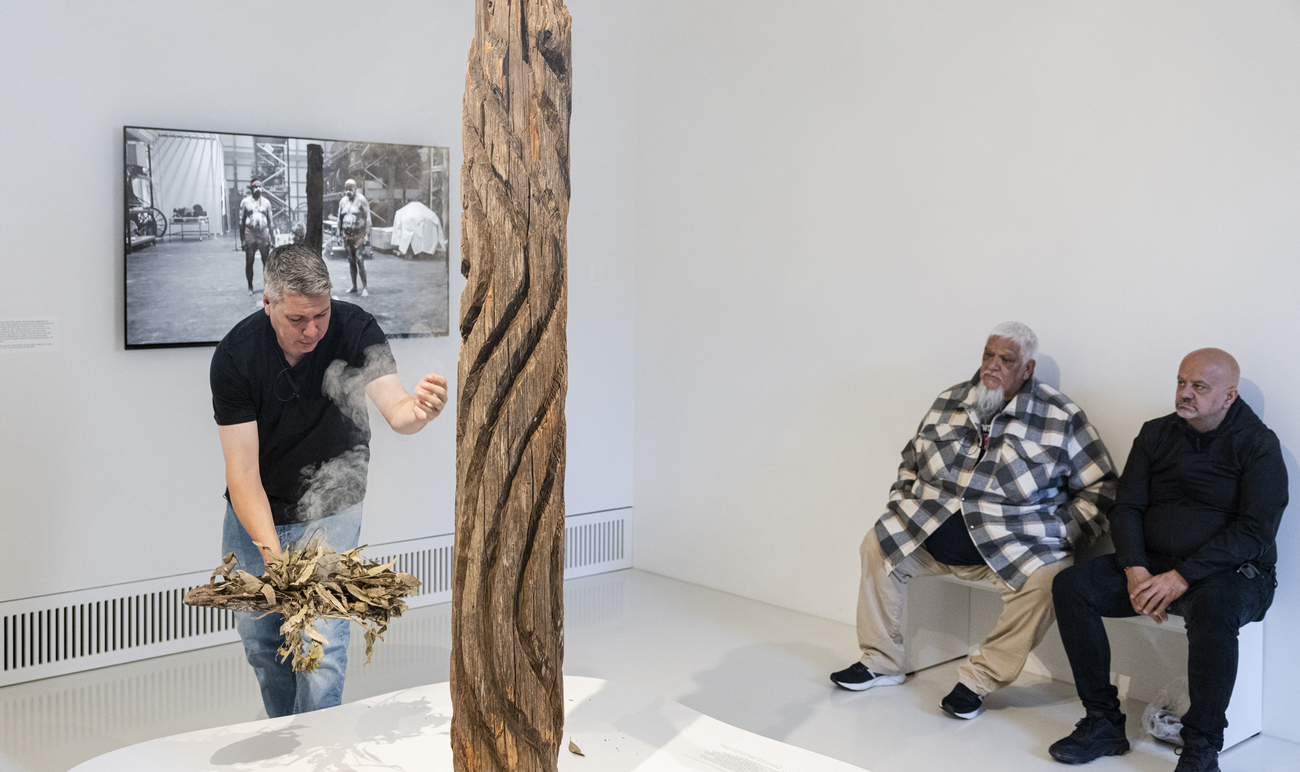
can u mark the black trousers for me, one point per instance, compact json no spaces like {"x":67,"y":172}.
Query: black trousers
{"x":1213,"y":610}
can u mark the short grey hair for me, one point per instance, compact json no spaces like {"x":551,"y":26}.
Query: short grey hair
{"x":295,"y":269}
{"x":1019,"y":334}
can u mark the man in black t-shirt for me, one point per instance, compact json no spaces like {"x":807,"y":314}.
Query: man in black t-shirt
{"x":1195,"y":527}
{"x":289,"y":389}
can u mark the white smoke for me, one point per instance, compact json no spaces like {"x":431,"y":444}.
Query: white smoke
{"x":341,"y":481}
{"x":335,"y":484}
{"x":347,"y":385}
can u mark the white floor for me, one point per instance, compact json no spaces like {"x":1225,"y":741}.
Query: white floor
{"x":754,"y":666}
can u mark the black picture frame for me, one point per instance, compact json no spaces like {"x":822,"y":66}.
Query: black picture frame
{"x":185,"y":279}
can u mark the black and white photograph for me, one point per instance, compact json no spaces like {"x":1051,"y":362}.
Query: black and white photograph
{"x":203,"y":210}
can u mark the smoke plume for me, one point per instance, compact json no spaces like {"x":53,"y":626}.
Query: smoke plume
{"x":347,"y":385}
{"x":340,"y":482}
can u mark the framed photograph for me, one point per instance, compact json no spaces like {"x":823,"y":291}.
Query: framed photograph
{"x":203,"y":210}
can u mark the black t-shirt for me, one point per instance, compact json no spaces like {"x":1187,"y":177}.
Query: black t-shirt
{"x":312,"y":427}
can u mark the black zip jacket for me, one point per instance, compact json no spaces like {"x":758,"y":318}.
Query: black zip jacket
{"x":1201,"y":502}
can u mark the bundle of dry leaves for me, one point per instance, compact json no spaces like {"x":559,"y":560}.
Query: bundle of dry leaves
{"x":310,"y":583}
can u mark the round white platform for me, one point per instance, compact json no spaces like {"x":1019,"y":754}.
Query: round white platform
{"x":617,"y":728}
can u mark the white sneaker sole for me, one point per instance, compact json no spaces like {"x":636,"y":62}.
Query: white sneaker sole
{"x":879,"y":680}
{"x":967,"y":716}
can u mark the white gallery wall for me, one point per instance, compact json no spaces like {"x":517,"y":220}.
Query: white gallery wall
{"x":110,"y":468}
{"x":836,"y":203}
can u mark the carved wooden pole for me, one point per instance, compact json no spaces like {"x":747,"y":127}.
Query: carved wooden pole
{"x":315,"y":197}
{"x":507,"y":601}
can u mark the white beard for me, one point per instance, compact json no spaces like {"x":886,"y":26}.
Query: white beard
{"x":987,"y":403}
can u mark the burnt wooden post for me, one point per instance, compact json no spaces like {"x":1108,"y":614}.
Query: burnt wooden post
{"x":315,"y":197}
{"x":507,"y":595}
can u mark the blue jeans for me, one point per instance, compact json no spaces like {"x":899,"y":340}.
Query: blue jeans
{"x":285,"y":692}
{"x":1213,"y":610}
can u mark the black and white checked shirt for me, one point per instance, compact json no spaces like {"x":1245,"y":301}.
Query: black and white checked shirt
{"x":1042,"y":487}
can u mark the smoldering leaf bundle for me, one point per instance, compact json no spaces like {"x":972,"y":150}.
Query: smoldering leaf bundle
{"x":310,"y":583}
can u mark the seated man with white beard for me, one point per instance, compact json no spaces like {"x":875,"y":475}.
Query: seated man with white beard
{"x":1004,"y":478}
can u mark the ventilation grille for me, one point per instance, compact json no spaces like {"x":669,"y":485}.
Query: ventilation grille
{"x":428,"y":560}
{"x":80,"y":630}
{"x":85,"y":629}
{"x":103,"y":627}
{"x":597,"y":543}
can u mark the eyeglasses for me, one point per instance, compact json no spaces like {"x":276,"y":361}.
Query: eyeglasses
{"x":293,"y":387}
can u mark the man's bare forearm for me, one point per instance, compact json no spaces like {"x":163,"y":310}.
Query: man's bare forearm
{"x":253,"y":510}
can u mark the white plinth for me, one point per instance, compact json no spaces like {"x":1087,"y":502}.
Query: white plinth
{"x":618,"y":728}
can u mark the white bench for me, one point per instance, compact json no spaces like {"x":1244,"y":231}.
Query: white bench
{"x":947,"y":618}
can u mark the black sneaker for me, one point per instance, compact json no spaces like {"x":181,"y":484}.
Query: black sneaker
{"x":1197,"y":758}
{"x":857,"y":677}
{"x":961,"y":702}
{"x":1096,"y":735}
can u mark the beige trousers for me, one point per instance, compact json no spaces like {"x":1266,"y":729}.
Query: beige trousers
{"x":1026,"y":616}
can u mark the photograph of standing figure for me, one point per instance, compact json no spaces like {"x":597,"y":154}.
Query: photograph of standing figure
{"x":254,"y":229}
{"x":354,"y":222}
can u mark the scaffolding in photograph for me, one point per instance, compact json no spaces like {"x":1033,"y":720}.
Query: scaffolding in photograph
{"x":271,"y":160}
{"x":280,"y":164}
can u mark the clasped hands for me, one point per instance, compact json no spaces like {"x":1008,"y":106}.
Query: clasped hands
{"x":1151,"y":595}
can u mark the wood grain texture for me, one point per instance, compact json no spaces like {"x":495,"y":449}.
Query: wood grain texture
{"x":508,"y":603}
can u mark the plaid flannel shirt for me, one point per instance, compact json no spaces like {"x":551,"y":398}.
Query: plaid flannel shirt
{"x":1041,"y":488}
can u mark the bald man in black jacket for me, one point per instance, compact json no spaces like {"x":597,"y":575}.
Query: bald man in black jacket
{"x":1194,"y":524}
